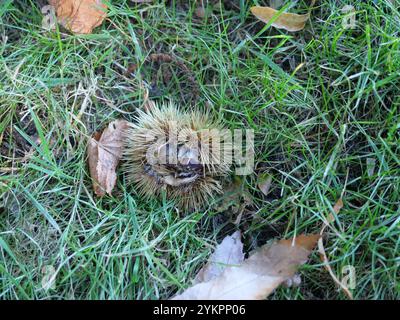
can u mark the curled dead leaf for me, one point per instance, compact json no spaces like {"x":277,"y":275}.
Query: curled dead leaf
{"x":104,"y":152}
{"x":80,"y":16}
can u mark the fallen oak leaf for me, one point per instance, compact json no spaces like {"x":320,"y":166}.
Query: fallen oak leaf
{"x":258,"y":276}
{"x":79,"y":16}
{"x":289,"y":21}
{"x":104,"y":152}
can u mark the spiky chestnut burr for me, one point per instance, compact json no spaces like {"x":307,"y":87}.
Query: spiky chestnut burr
{"x":182,"y":154}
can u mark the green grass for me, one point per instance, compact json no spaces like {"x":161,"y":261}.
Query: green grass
{"x":318,"y":129}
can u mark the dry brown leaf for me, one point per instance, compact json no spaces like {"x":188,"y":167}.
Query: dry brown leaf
{"x":336,"y":208}
{"x":288,"y":21}
{"x":229,"y":252}
{"x":104,"y":153}
{"x":79,"y":16}
{"x":258,"y":276}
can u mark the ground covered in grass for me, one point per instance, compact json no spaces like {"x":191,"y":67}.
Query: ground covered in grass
{"x":323,"y":102}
